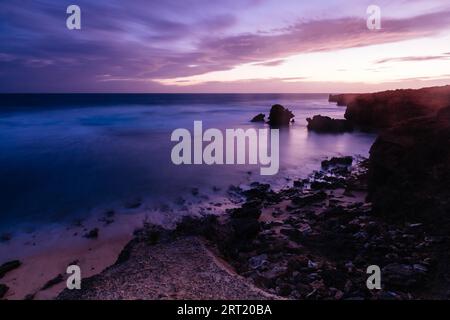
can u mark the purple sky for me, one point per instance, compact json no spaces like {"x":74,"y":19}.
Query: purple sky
{"x":222,"y":46}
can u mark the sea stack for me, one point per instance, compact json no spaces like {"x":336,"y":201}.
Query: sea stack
{"x":280,"y":116}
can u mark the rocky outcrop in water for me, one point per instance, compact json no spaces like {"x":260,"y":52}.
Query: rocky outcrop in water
{"x":388,"y":108}
{"x":323,"y":124}
{"x":280,"y":116}
{"x":410,"y":160}
{"x":259,"y":118}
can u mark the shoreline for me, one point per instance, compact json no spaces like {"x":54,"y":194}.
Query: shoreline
{"x":45,"y":254}
{"x":284,"y":243}
{"x":60,"y":246}
{"x":312,"y":240}
{"x":93,"y":243}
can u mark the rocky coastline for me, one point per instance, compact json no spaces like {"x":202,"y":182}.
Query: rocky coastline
{"x":311,"y":241}
{"x":409,"y":163}
{"x":315,"y":239}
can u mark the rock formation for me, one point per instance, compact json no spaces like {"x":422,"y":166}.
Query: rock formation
{"x":341,"y":100}
{"x":409,"y":165}
{"x":323,"y":124}
{"x":410,"y":169}
{"x":259,"y":118}
{"x":280,"y":116}
{"x":388,"y":108}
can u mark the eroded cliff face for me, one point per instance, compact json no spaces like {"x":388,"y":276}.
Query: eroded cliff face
{"x":410,"y":160}
{"x":409,"y":173}
{"x":386,"y":109}
{"x":342,"y":100}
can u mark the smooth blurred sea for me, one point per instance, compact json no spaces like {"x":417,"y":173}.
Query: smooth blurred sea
{"x":63,"y":156}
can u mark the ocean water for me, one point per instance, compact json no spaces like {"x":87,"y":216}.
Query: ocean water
{"x":64,"y":158}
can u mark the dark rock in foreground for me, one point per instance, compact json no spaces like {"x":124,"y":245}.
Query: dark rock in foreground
{"x":335,"y":161}
{"x":9,"y":266}
{"x":315,"y":246}
{"x":323,"y":124}
{"x":280,"y":116}
{"x":410,"y":169}
{"x":409,"y":165}
{"x":259,"y":118}
{"x":3,"y":290}
{"x":404,"y":276}
{"x":58,"y":279}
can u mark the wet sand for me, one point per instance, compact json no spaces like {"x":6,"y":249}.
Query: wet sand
{"x":46,"y":253}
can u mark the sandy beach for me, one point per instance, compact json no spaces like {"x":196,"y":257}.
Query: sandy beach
{"x":45,"y":254}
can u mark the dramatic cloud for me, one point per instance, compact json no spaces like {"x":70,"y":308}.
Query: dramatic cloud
{"x":444,"y":56}
{"x":129,"y":46}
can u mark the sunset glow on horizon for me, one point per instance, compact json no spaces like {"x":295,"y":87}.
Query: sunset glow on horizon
{"x":237,"y":46}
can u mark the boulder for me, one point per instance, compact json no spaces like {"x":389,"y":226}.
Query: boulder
{"x":280,"y":116}
{"x":249,"y":210}
{"x":309,"y":199}
{"x":259,"y":118}
{"x":9,"y":266}
{"x":245,"y":229}
{"x":258,"y":261}
{"x":324,"y":124}
{"x":337,"y":161}
{"x":52,"y":282}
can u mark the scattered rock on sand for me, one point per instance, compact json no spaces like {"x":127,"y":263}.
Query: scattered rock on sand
{"x":258,"y":261}
{"x":249,"y":210}
{"x":404,"y":275}
{"x":309,"y":198}
{"x":58,"y":279}
{"x":9,"y":266}
{"x":335,"y":161}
